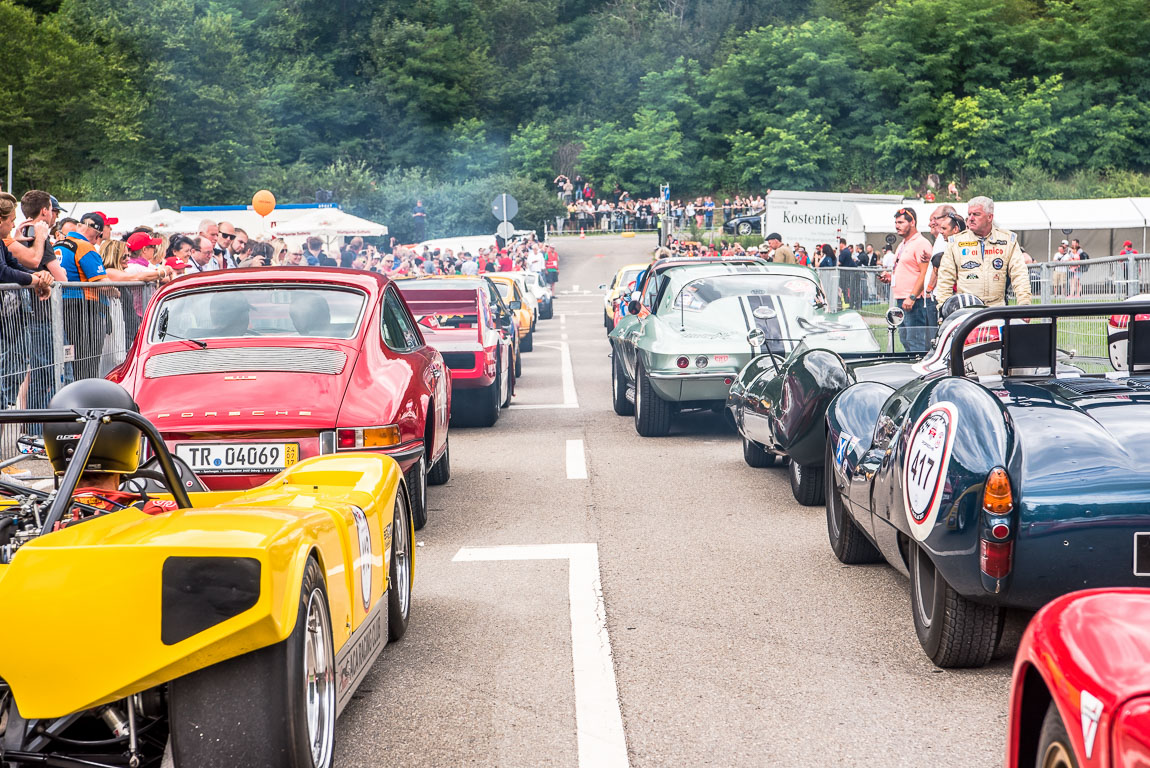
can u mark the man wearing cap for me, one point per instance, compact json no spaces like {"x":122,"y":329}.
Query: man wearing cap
{"x":1058,"y":282}
{"x":983,"y":259}
{"x":84,"y":311}
{"x":1127,"y":249}
{"x":782,"y":253}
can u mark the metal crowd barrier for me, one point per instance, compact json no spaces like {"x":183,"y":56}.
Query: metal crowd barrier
{"x":81,"y":330}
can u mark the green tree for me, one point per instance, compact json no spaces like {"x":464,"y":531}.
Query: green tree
{"x":798,"y":153}
{"x":531,"y":152}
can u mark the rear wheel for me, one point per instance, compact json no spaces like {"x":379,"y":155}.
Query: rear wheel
{"x":622,"y":406}
{"x":527,"y":343}
{"x":756,"y":455}
{"x":744,"y":228}
{"x":850,"y":545}
{"x":1054,"y":748}
{"x":271,"y":707}
{"x":417,"y":491}
{"x":652,"y":413}
{"x":401,"y":575}
{"x":547,"y":311}
{"x":608,"y":321}
{"x":441,"y":471}
{"x":806,"y":483}
{"x":953,"y":631}
{"x":518,"y":368}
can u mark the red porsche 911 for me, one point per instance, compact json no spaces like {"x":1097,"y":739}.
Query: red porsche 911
{"x":248,"y":371}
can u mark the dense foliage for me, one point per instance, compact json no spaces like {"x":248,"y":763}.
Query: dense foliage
{"x":380,"y":101}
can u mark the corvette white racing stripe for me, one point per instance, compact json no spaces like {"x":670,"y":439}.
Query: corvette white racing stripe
{"x":598,"y":720}
{"x":576,"y":461}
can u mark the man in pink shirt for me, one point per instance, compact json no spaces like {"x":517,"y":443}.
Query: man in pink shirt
{"x":910,"y":268}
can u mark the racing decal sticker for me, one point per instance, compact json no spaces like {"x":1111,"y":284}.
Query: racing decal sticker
{"x":1091,"y":713}
{"x":997,"y":263}
{"x":970,"y":265}
{"x":845,"y":445}
{"x":924,"y":468}
{"x":967,"y":243}
{"x":994,"y":251}
{"x":364,"y":561}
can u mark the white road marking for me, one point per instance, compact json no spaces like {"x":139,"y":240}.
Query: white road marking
{"x":562,"y":321}
{"x":563,"y":336}
{"x":598,"y":720}
{"x":576,"y":461}
{"x":570,"y":399}
{"x":575,"y":287}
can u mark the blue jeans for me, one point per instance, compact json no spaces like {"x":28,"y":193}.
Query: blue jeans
{"x":914,"y":332}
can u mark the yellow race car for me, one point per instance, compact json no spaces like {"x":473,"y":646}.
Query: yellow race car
{"x":613,"y":292}
{"x":193,"y":628}
{"x":523,"y":307}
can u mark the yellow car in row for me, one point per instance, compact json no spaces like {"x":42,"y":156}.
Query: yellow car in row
{"x":521,"y":303}
{"x":623,"y":278}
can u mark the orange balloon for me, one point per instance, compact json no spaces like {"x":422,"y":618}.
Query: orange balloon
{"x":263,"y":202}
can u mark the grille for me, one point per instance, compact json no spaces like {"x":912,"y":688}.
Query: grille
{"x":462,"y":361}
{"x":1100,"y":386}
{"x":290,"y":359}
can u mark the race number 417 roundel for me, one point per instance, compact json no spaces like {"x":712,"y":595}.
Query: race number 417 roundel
{"x":924,"y":470}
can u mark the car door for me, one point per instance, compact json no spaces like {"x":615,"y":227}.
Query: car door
{"x":429,"y":380}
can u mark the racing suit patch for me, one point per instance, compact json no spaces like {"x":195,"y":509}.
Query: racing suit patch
{"x":970,"y":265}
{"x":997,"y":263}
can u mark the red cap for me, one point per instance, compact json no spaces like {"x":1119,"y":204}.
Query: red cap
{"x":1127,"y":244}
{"x":108,"y":220}
{"x":142,"y":240}
{"x":176,"y":263}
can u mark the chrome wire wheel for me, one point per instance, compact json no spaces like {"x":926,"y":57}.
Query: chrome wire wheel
{"x":401,"y":552}
{"x":319,"y":679}
{"x":924,"y":587}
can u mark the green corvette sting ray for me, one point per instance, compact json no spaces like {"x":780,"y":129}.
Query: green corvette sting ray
{"x":685,"y":339}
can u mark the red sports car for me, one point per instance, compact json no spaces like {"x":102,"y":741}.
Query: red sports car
{"x":1081,"y":689}
{"x":456,"y":318}
{"x":248,"y":371}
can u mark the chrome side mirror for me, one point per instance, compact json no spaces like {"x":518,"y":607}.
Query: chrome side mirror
{"x":895,"y":316}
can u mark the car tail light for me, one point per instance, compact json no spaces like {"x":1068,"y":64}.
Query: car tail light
{"x":997,"y":545}
{"x":1132,"y":735}
{"x":701,"y":361}
{"x":355,"y":438}
{"x":682,"y":362}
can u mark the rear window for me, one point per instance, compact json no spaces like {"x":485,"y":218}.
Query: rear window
{"x":434,"y":310}
{"x":284,"y":311}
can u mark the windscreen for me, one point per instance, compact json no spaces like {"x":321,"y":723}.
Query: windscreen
{"x":302,"y":311}
{"x":504,"y":290}
{"x":727,"y":300}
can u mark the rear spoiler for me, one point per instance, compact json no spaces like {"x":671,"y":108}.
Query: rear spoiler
{"x":1035,"y":345}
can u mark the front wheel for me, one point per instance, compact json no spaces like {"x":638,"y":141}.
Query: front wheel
{"x":441,"y":471}
{"x":274,"y":706}
{"x":850,"y":545}
{"x":518,"y":369}
{"x":527,"y":343}
{"x":416,"y":478}
{"x":756,"y":455}
{"x":1054,"y":747}
{"x":953,"y":631}
{"x":744,"y":228}
{"x":806,"y":483}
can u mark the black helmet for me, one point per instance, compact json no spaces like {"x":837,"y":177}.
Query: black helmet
{"x":958,"y":301}
{"x":117,"y":447}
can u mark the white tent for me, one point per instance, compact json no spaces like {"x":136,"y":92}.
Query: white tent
{"x":328,"y":222}
{"x":129,"y":212}
{"x":247,"y":219}
{"x":167,"y":222}
{"x":470,"y":243}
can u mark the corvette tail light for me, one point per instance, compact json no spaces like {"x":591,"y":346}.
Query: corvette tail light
{"x":682,"y":362}
{"x":701,"y":361}
{"x":997,"y":545}
{"x":355,"y":438}
{"x":1132,"y":734}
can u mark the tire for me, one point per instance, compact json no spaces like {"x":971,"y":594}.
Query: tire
{"x":487,"y":403}
{"x":756,"y":455}
{"x":744,"y":228}
{"x":274,"y":706}
{"x":441,"y":471}
{"x":850,"y":545}
{"x":619,"y":401}
{"x":806,"y":483}
{"x":401,"y":574}
{"x":416,"y":478}
{"x":548,"y":311}
{"x":953,"y":631}
{"x":518,"y":369}
{"x":527,"y":343}
{"x":652,"y":413}
{"x":1054,"y":747}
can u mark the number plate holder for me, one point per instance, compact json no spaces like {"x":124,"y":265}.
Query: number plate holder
{"x":238,"y":458}
{"x":1142,"y":554}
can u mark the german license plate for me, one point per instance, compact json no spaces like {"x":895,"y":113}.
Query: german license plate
{"x":239,"y":458}
{"x":1142,"y":554}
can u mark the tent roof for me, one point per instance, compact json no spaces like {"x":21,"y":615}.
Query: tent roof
{"x":1113,"y":213}
{"x":1020,"y":215}
{"x":470,"y":243}
{"x":879,"y":217}
{"x":247,"y":219}
{"x":328,"y":222}
{"x":129,"y":212}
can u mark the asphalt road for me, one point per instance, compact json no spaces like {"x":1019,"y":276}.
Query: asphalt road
{"x":737,"y":637}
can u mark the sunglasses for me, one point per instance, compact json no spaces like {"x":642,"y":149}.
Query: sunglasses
{"x":227,"y":237}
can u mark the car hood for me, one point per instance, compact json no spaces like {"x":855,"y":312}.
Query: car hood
{"x":255,"y":386}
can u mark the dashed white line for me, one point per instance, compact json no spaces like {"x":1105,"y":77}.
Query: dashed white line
{"x":570,"y":398}
{"x":563,"y":336}
{"x":575,"y":287}
{"x":576,"y":461}
{"x":562,"y":321}
{"x":598,"y":720}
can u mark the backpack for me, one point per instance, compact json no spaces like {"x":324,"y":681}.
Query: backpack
{"x":1083,"y":268}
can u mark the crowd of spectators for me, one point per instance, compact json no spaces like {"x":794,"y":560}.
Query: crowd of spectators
{"x":109,"y":278}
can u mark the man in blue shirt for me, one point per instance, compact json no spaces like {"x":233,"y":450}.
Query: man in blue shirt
{"x":84,"y":310}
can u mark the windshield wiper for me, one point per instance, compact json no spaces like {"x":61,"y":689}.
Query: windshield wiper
{"x":163,"y":332}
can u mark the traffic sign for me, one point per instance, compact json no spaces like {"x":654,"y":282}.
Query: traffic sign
{"x":505,"y":230}
{"x":504,"y":207}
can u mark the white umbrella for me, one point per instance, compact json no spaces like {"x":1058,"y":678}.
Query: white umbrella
{"x":168,"y":222}
{"x":328,"y":222}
